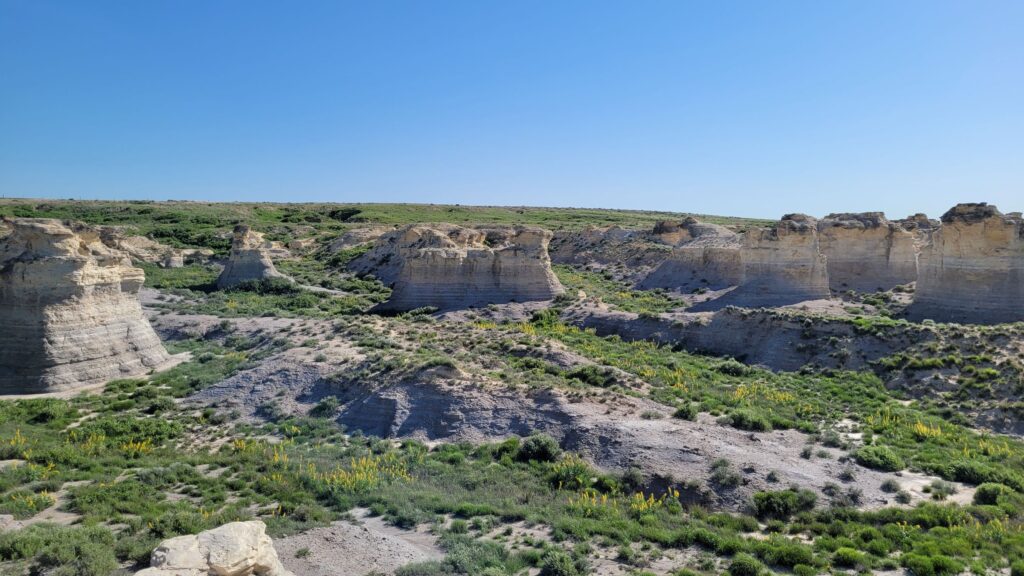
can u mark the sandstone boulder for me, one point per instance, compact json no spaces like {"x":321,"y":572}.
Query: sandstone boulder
{"x":235,"y":549}
{"x":451,"y":267}
{"x":866,"y":252}
{"x":973,"y":270}
{"x":249,"y":259}
{"x":69,"y":311}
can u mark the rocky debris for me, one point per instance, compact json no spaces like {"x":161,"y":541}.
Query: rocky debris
{"x":451,"y":267}
{"x":143,"y":249}
{"x":973,"y":269}
{"x":706,"y":256}
{"x":866,"y":252}
{"x":69,"y":311}
{"x":249,"y":260}
{"x":358,"y":237}
{"x":235,"y":549}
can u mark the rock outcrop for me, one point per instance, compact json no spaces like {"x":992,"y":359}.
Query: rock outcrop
{"x":143,"y":249}
{"x":973,"y":270}
{"x":235,"y":549}
{"x":69,"y":311}
{"x":249,"y":259}
{"x":451,"y":267}
{"x":866,"y":252}
{"x":781,"y":265}
{"x":705,"y":256}
{"x":357,"y":237}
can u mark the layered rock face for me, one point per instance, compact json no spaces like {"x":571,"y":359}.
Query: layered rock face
{"x":235,"y":549}
{"x":144,"y":249}
{"x":781,"y":265}
{"x":69,"y":311}
{"x":973,"y":270}
{"x":451,"y":267}
{"x":866,"y":252}
{"x":249,"y":259}
{"x":705,"y":256}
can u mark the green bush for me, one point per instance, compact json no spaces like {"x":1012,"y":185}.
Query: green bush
{"x":539,"y":447}
{"x":879,"y":458}
{"x":746,"y":419}
{"x":918,"y":565}
{"x":848,"y":558}
{"x":783,"y":504}
{"x":1017,"y":568}
{"x":745,"y":565}
{"x":989,"y":493}
{"x":687,"y":411}
{"x":557,"y":563}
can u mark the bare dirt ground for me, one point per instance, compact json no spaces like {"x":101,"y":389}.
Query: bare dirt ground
{"x":354,"y":548}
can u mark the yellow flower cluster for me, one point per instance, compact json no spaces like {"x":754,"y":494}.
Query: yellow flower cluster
{"x":136,"y":448}
{"x":364,"y":474}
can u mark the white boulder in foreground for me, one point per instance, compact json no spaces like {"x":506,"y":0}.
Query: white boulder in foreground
{"x":235,"y":549}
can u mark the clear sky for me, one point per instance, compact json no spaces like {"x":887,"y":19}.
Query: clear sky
{"x":740,"y":108}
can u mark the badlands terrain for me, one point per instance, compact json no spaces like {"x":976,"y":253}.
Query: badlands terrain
{"x":420,"y":390}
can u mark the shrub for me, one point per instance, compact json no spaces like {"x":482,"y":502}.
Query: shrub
{"x":989,"y":493}
{"x":918,"y":565}
{"x":1017,"y":568}
{"x":539,"y":447}
{"x":687,"y":411}
{"x":848,"y":557}
{"x":745,"y":419}
{"x":783,"y":504}
{"x":558,"y":563}
{"x":267,"y":286}
{"x":745,"y":565}
{"x":325,"y":408}
{"x":879,"y":458}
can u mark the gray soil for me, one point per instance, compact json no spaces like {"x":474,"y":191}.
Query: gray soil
{"x":366,"y":545}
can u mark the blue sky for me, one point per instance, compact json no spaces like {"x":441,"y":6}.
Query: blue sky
{"x":742,"y":108}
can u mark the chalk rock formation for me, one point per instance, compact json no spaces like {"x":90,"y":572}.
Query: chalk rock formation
{"x":866,"y":252}
{"x":69,"y":311}
{"x":358,"y":237}
{"x":452,"y":267}
{"x":781,"y":265}
{"x":235,"y":549}
{"x":973,"y":270}
{"x":144,"y":249}
{"x":249,"y":259}
{"x":690,"y":229}
{"x":706,"y":256}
